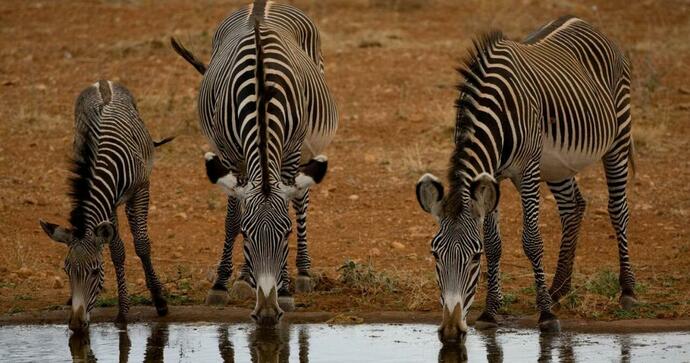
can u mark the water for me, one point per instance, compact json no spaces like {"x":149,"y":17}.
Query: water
{"x":323,"y":343}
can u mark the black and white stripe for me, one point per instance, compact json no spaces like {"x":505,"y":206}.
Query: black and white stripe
{"x":538,"y":110}
{"x":113,"y":158}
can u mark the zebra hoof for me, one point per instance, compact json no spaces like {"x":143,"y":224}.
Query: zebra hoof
{"x":485,"y":321}
{"x":241,"y":290}
{"x":304,"y":284}
{"x":628,"y":301}
{"x":549,"y":323}
{"x":121,"y":321}
{"x":161,"y":306}
{"x":287,"y":303}
{"x":217,"y":297}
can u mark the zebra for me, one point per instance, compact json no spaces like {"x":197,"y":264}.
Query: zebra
{"x":112,"y":162}
{"x":268,"y":113}
{"x":531,"y":111}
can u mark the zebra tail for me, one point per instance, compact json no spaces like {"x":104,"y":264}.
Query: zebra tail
{"x":163,"y":142}
{"x":188,"y":56}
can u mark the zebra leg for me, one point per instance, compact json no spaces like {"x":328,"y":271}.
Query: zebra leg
{"x":218,"y":294}
{"x":117,"y":255}
{"x":533,"y":245}
{"x":285,"y":299}
{"x":137,"y":210}
{"x":242,"y":288}
{"x":304,"y":282}
{"x":492,"y":249}
{"x":616,"y":167}
{"x":571,"y":207}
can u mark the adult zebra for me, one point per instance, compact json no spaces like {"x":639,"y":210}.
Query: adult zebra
{"x":113,"y":158}
{"x":266,"y":109}
{"x":540,"y":110}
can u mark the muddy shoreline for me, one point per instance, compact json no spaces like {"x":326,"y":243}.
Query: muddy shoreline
{"x":234,"y":315}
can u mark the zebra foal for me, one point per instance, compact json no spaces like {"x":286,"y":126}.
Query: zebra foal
{"x":538,"y":110}
{"x":112,"y":162}
{"x":268,"y":113}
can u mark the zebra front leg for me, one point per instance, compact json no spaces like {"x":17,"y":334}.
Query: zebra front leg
{"x":304,"y":282}
{"x":218,"y":294}
{"x":571,"y":207}
{"x":285,"y":299}
{"x":533,"y":246}
{"x":137,"y":210}
{"x":492,"y":249}
{"x":616,"y":167}
{"x":242,"y":288}
{"x":117,"y":255}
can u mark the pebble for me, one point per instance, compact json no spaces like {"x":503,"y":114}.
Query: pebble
{"x":24,"y":272}
{"x":374,"y":252}
{"x":353,"y":197}
{"x":58,"y":283}
{"x":141,"y":282}
{"x":181,"y":215}
{"x":397,"y":245}
{"x":177,"y":255}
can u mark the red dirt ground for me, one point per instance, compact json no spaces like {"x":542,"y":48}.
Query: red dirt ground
{"x":390,"y":65}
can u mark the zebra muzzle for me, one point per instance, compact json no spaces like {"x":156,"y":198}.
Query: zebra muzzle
{"x":453,"y":329}
{"x":267,"y":310}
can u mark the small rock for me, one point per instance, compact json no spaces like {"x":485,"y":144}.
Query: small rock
{"x":181,"y":215}
{"x":353,"y":197}
{"x":374,"y":252}
{"x":177,"y":255}
{"x":24,"y":272}
{"x":141,"y":282}
{"x":601,"y":212}
{"x":58,"y":283}
{"x":397,"y":245}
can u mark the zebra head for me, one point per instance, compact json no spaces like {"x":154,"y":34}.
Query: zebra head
{"x":457,"y":246}
{"x":83,"y":265}
{"x":265,"y":225}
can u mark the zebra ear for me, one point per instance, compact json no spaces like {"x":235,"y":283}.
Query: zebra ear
{"x":220,"y":175}
{"x":312,"y":173}
{"x":430,"y":194}
{"x":56,"y":233}
{"x":104,"y":232}
{"x":485,"y":193}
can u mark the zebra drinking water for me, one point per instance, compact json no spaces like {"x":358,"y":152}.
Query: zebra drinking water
{"x":266,"y":109}
{"x":113,"y":158}
{"x":540,"y":110}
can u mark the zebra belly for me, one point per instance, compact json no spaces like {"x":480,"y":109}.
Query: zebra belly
{"x":559,"y":164}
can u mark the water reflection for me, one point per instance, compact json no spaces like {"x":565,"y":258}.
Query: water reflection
{"x":244,"y":343}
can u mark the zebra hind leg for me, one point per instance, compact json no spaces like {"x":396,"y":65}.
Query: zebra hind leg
{"x":616,"y":167}
{"x":137,"y":209}
{"x":218,"y":294}
{"x":117,"y":255}
{"x":571,"y":207}
{"x":492,"y":248}
{"x":304,"y":282}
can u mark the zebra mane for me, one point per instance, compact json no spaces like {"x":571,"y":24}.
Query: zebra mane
{"x":85,"y":155}
{"x":262,"y":97}
{"x":471,"y":69}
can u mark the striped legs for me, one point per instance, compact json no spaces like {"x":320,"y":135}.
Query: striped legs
{"x":137,"y":210}
{"x":117,"y":255}
{"x":218,"y":294}
{"x":492,"y":249}
{"x":571,"y":207}
{"x":304,"y":282}
{"x":533,"y":245}
{"x":616,"y":167}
